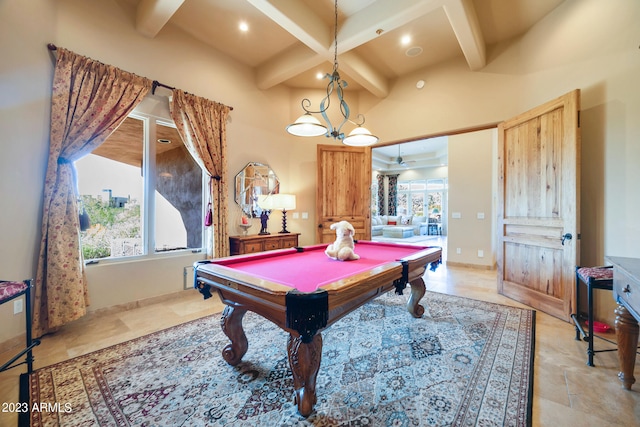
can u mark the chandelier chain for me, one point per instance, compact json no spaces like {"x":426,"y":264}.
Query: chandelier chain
{"x":335,"y":38}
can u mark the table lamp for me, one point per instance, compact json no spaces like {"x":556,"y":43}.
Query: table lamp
{"x":278,"y":201}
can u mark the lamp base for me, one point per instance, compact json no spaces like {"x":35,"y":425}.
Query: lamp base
{"x":284,"y":223}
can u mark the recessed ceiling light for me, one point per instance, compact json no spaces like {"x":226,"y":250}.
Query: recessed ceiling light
{"x":244,"y":27}
{"x":319,"y":75}
{"x":405,"y":40}
{"x":414,"y":51}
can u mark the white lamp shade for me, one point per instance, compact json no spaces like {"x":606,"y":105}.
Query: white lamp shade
{"x":277,"y":201}
{"x":286,"y":202}
{"x":307,"y":125}
{"x":360,"y":137}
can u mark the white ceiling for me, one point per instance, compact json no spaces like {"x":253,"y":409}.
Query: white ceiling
{"x":424,"y":153}
{"x":290,"y":41}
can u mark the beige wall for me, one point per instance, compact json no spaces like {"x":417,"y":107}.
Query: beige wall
{"x":25,"y":79}
{"x":472,"y":194}
{"x":587,"y":44}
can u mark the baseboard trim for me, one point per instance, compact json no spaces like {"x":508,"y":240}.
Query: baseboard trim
{"x":466,"y":265}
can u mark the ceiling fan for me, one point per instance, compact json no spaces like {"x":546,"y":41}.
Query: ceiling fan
{"x":401,"y":161}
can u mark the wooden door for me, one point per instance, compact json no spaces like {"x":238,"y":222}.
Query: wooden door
{"x":538,"y":201}
{"x":343,"y":190}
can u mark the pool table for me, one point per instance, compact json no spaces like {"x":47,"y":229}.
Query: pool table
{"x":302,"y":291}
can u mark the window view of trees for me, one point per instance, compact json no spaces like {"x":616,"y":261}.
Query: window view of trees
{"x":374,"y":198}
{"x":142,"y":196}
{"x":114,"y":230}
{"x":421,"y":197}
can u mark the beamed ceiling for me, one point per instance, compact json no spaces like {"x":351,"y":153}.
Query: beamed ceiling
{"x":288,"y":42}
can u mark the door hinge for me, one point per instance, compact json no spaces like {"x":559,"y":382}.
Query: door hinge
{"x":578,"y":118}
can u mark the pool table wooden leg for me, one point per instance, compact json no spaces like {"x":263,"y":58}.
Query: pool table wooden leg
{"x":304,"y":360}
{"x":418,"y":290}
{"x":231,"y":322}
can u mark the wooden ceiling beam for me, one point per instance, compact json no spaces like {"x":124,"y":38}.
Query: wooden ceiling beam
{"x":464,"y":21}
{"x":152,"y":15}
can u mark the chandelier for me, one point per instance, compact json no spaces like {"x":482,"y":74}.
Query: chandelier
{"x":308,"y":125}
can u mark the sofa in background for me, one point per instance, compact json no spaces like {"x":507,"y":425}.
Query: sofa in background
{"x":401,"y":226}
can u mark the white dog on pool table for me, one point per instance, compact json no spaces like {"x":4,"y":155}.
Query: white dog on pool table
{"x":342,"y":248}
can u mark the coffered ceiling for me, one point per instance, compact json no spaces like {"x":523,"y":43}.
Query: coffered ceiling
{"x":426,"y":153}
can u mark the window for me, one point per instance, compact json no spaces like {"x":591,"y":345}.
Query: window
{"x":435,"y":195}
{"x":402,"y":207}
{"x":143,"y":192}
{"x":421,"y":197}
{"x":374,"y":198}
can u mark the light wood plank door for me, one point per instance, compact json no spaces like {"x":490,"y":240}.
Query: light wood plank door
{"x":343,"y":190}
{"x":538,"y":200}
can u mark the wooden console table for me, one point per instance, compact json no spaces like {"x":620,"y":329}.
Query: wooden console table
{"x":626,"y":292}
{"x":259,"y":243}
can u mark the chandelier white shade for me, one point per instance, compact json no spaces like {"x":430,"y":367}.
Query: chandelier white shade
{"x":360,"y":137}
{"x":308,"y":125}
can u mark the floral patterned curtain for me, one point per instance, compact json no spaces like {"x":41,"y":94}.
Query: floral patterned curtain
{"x":202,"y":124}
{"x":89,"y":101}
{"x":393,"y":194}
{"x":380,"y":179}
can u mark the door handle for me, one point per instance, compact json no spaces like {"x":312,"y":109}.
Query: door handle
{"x":566,"y":236}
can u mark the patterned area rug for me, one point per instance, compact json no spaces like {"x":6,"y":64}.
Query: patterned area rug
{"x":464,"y":363}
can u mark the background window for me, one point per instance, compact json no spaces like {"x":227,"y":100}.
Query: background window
{"x":374,"y":198}
{"x":422,"y":198}
{"x":143,"y":192}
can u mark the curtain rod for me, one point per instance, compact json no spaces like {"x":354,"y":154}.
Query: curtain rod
{"x":154,"y":86}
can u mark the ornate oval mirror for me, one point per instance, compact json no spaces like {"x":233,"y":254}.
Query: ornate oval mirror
{"x":255,"y":179}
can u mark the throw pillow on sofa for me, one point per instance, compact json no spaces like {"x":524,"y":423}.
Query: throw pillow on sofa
{"x":394,"y":220}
